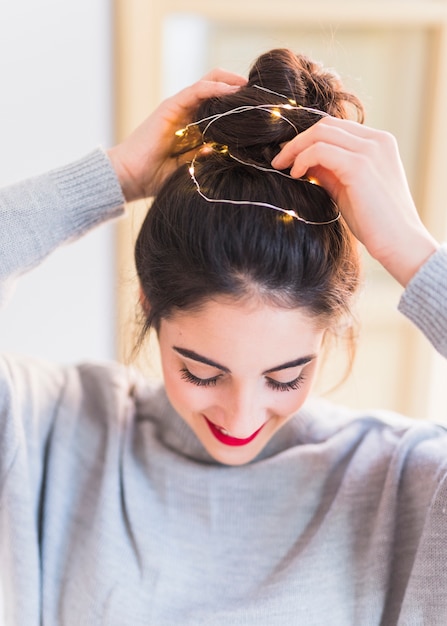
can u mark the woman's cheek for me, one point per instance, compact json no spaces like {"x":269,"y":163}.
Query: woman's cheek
{"x":289,"y":402}
{"x":184,"y":396}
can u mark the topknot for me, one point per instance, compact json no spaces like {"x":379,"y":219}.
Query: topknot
{"x":251,"y":135}
{"x":305,"y":81}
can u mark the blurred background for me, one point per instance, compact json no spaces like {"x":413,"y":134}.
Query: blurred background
{"x":56,"y":103}
{"x":80,"y":73}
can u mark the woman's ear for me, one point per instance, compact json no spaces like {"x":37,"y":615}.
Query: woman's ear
{"x":144,"y":302}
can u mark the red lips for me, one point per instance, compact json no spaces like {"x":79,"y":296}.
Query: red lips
{"x":227,"y":439}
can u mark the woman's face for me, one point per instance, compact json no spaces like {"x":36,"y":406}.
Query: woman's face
{"x":236,"y":372}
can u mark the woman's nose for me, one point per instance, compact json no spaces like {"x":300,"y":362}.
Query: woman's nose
{"x":244,"y":414}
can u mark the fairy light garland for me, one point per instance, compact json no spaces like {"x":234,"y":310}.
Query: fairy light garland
{"x":276,"y":112}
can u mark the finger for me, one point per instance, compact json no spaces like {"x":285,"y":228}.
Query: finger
{"x":217,"y":82}
{"x":321,"y":132}
{"x":190,"y":97}
{"x":364,"y":150}
{"x":324,"y":178}
{"x":342,"y":163}
{"x":330,"y":130}
{"x":223,"y":76}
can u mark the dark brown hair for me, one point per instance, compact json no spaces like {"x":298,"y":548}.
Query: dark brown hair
{"x":190,"y":250}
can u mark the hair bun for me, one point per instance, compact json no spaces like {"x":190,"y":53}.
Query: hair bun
{"x":257,"y":133}
{"x":305,"y":81}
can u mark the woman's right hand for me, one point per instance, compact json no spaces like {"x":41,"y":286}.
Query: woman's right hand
{"x":361,"y":169}
{"x":144,"y":159}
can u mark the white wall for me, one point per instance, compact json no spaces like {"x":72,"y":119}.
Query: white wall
{"x":55,"y":105}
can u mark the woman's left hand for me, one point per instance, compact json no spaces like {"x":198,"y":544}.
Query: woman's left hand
{"x":144,"y":159}
{"x":362,"y":171}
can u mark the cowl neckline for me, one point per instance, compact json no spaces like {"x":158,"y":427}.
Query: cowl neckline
{"x":175,"y":434}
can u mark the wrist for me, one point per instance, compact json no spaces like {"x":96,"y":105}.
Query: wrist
{"x":126,"y":181}
{"x":406,"y":259}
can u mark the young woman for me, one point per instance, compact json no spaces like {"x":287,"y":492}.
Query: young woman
{"x":226,"y":497}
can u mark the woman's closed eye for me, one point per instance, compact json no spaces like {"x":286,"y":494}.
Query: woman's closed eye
{"x":200,"y":382}
{"x":270,"y":382}
{"x":290,"y":385}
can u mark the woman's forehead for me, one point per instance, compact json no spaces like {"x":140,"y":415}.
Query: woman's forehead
{"x":231,"y":331}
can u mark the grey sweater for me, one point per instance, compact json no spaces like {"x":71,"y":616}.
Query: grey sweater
{"x":111,"y":511}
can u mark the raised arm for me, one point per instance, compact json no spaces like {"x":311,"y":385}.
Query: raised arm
{"x":361,"y":169}
{"x":144,"y":160}
{"x":41,"y":213}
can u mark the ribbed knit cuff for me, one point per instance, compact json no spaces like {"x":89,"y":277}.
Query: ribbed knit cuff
{"x":41,"y":213}
{"x":90,"y":190}
{"x":424,"y":301}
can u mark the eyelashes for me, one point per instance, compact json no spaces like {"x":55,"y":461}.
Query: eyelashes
{"x":200,"y":382}
{"x":292,"y":385}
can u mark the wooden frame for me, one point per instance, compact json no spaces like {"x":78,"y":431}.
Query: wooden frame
{"x":139,"y":45}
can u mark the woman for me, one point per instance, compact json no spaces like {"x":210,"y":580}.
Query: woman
{"x":220,"y":498}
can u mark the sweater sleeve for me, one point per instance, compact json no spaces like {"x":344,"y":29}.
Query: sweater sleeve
{"x":41,"y":213}
{"x":37,"y":216}
{"x":424,"y":301}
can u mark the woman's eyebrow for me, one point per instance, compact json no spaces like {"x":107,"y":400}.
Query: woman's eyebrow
{"x":189,"y":354}
{"x":295,"y":363}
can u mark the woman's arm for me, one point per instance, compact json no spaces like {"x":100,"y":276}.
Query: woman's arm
{"x":144,"y":160}
{"x":424,"y":300}
{"x":361,"y":169}
{"x":41,"y":213}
